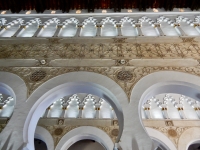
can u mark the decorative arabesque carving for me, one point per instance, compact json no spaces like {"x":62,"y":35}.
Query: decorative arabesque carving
{"x":173,"y":133}
{"x":119,"y":49}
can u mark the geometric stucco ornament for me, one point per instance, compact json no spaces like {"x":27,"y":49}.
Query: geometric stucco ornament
{"x":115,"y":132}
{"x":124,"y":75}
{"x":172,"y":133}
{"x":38,"y":75}
{"x":58,"y":131}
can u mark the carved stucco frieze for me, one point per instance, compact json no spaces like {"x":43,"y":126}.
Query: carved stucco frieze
{"x":127,"y":80}
{"x":58,"y":131}
{"x":173,"y":133}
{"x":103,"y":51}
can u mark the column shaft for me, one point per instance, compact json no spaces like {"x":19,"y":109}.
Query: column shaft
{"x":40,"y":27}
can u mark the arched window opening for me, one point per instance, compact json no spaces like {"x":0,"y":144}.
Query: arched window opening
{"x":39,"y":144}
{"x":80,"y":105}
{"x":167,"y":26}
{"x":109,"y":27}
{"x":6,"y":105}
{"x":89,"y":27}
{"x":171,"y":106}
{"x":12,"y":27}
{"x":128,"y":28}
{"x":30,"y":28}
{"x":87,"y":145}
{"x":69,"y":28}
{"x":49,"y":28}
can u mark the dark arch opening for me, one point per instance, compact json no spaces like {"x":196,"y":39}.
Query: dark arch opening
{"x":195,"y":146}
{"x":87,"y":145}
{"x":39,"y":144}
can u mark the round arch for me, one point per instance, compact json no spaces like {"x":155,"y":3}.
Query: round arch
{"x":74,"y":82}
{"x":150,"y":85}
{"x":44,"y":135}
{"x":85,"y":132}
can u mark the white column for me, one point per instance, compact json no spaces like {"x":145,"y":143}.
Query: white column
{"x":138,"y":28}
{"x":179,"y":29}
{"x":164,"y":112}
{"x":197,"y":110}
{"x":80,"y":115}
{"x":119,"y":29}
{"x":158,"y":29}
{"x":63,"y":112}
{"x":181,"y":112}
{"x":99,"y":27}
{"x":97,"y":108}
{"x":79,"y":27}
{"x":59,"y":27}
{"x":147,"y":112}
{"x":197,"y":27}
{"x":40,"y":27}
{"x":22,"y":27}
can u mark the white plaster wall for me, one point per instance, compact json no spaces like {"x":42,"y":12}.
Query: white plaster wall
{"x":188,"y":137}
{"x":15,"y":126}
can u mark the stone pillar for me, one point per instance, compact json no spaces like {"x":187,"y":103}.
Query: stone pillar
{"x":79,"y":27}
{"x":40,"y":27}
{"x":179,"y":29}
{"x":158,"y":29}
{"x":59,"y":27}
{"x":22,"y":27}
{"x":197,"y":27}
{"x":119,"y":29}
{"x":138,"y":28}
{"x":99,"y":27}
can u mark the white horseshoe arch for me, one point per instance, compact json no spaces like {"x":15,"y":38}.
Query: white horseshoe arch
{"x":74,"y":82}
{"x":85,"y":132}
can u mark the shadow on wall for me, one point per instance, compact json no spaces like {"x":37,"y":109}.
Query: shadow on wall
{"x":86,"y":145}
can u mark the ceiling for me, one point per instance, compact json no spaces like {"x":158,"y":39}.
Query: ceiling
{"x":65,"y":5}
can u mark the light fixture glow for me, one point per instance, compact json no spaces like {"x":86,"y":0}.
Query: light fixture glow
{"x":130,"y":11}
{"x":53,"y":12}
{"x":78,"y":11}
{"x":155,"y":10}
{"x":3,"y":12}
{"x":28,"y":12}
{"x":181,"y":10}
{"x":104,"y":11}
